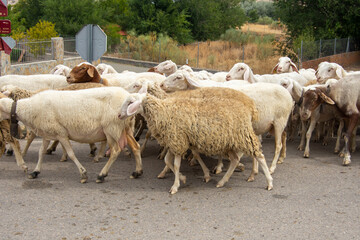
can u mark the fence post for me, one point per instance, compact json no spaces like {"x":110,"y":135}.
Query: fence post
{"x":57,"y":45}
{"x":335,"y":46}
{"x":301,"y":54}
{"x":159,"y":49}
{"x":243,"y":55}
{"x":5,"y":63}
{"x":320,"y":49}
{"x":198,"y":55}
{"x":348,"y":45}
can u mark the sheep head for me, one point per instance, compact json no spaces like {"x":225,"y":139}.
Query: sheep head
{"x":84,"y":72}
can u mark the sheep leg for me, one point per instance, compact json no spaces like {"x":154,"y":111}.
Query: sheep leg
{"x":114,"y":153}
{"x":338,"y":137}
{"x":234,"y":160}
{"x":147,"y":137}
{"x":264,"y":167}
{"x":308,"y":137}
{"x":176,"y":185}
{"x":52,"y":148}
{"x":353,"y":139}
{"x":352,"y":125}
{"x":68,"y":149}
{"x":203,"y":166}
{"x":93,"y":149}
{"x":163,"y":153}
{"x":30,"y":138}
{"x":19,"y":159}
{"x":283,"y":149}
{"x":278,"y":147}
{"x":254,"y":170}
{"x":101,"y":152}
{"x":42,"y":150}
{"x":218,"y":168}
{"x":168,"y":159}
{"x":135,"y":147}
{"x":303,"y":133}
{"x":9,"y":151}
{"x":163,"y":172}
{"x":64,"y":154}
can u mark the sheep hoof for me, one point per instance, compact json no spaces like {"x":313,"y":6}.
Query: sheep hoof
{"x":173,"y":190}
{"x":95,"y":160}
{"x":220,"y":184}
{"x":280,"y":161}
{"x":240,"y":168}
{"x":136,"y":174}
{"x":346,"y":161}
{"x":83,"y":180}
{"x":270,"y":187}
{"x":100,"y":179}
{"x":206,"y":179}
{"x":251,"y":179}
{"x":9,"y":152}
{"x":49,"y":151}
{"x":24,"y":168}
{"x":33,"y":175}
{"x":92,"y":152}
{"x":300,"y":148}
{"x":182,"y":178}
{"x":272,"y":170}
{"x":306,"y":155}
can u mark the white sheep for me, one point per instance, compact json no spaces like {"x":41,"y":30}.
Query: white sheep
{"x":273,"y":103}
{"x":104,"y":68}
{"x":60,"y":70}
{"x":86,"y":116}
{"x":285,"y":65}
{"x":34,"y":82}
{"x":328,"y":70}
{"x":181,"y":78}
{"x":241,"y":71}
{"x":166,"y":67}
{"x":193,"y":123}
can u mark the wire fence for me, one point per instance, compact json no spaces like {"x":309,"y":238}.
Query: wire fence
{"x":323,"y":48}
{"x":26,"y":51}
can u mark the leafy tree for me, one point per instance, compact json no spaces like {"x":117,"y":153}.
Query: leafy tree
{"x":113,"y":11}
{"x":322,"y":19}
{"x":161,"y":16}
{"x":211,"y":18}
{"x":70,"y":16}
{"x":30,"y":11}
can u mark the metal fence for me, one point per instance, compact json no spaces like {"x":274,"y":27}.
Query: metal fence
{"x":323,"y":48}
{"x":28,"y":51}
{"x":35,"y":51}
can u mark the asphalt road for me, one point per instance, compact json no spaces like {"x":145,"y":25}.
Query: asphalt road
{"x":313,"y":198}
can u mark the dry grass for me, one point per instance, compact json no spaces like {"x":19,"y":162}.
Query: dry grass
{"x":262,"y":29}
{"x":220,"y":55}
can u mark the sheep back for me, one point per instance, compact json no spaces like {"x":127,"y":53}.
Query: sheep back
{"x":210,"y":126}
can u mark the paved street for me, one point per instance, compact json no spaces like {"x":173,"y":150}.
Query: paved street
{"x":313,"y":198}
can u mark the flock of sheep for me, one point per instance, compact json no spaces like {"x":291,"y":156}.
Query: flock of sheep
{"x":189,"y":113}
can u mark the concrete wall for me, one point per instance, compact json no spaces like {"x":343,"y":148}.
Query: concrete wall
{"x":39,"y":67}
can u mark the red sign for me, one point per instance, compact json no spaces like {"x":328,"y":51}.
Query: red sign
{"x":5,"y":26}
{"x":3,"y":9}
{"x":7,"y":44}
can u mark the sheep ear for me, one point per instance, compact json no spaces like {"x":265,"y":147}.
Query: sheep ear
{"x":90,"y":72}
{"x":133,"y":108}
{"x":247,"y":74}
{"x":293,"y":66}
{"x":274,"y":70}
{"x":340,"y":72}
{"x":326,"y":98}
{"x":143,"y":89}
{"x":192,"y":82}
